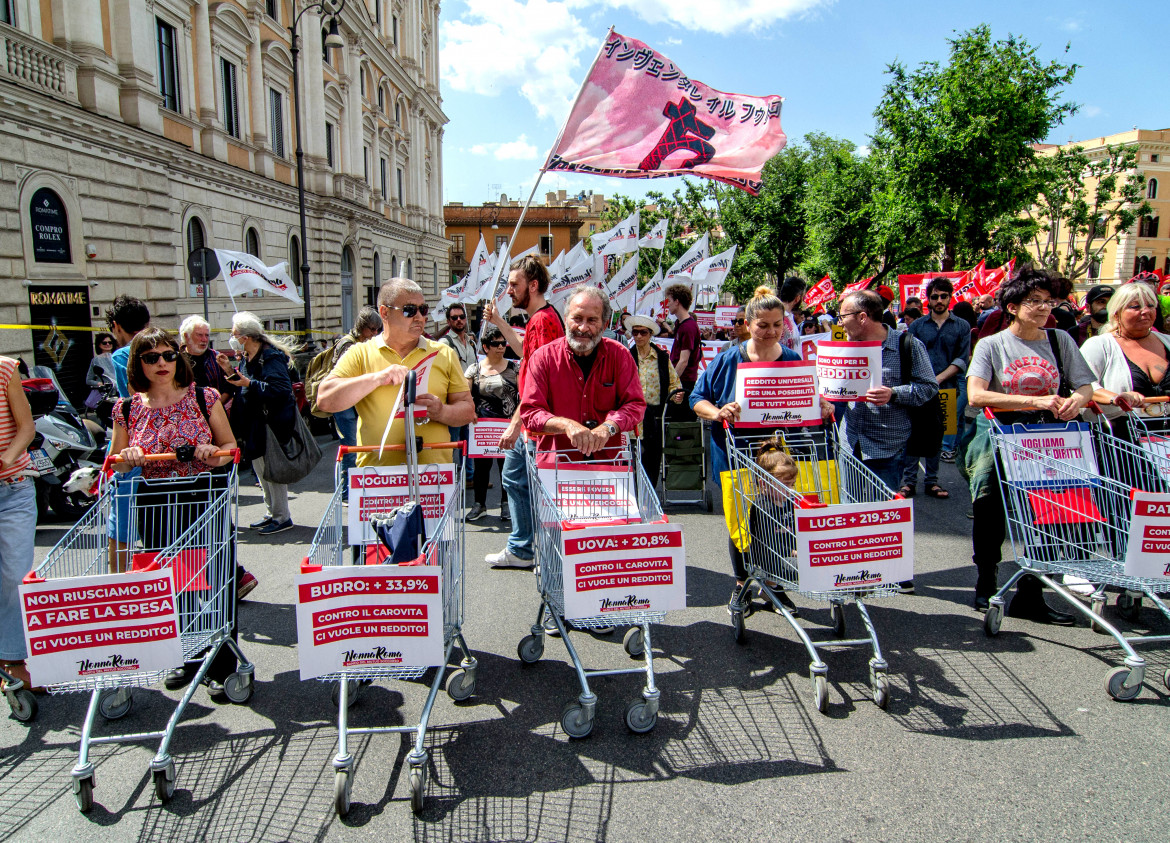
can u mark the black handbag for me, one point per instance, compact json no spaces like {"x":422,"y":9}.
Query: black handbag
{"x":290,"y":461}
{"x":927,"y":423}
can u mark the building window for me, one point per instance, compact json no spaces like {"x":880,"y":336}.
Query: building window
{"x":501,"y":240}
{"x":401,"y":197}
{"x":377,"y":271}
{"x":381,"y":100}
{"x":7,"y":13}
{"x":362,"y":82}
{"x":366,"y":163}
{"x":592,"y":227}
{"x":272,"y":9}
{"x":168,"y":65}
{"x":252,"y":243}
{"x":294,"y":259}
{"x":1148,"y":227}
{"x":329,"y":144}
{"x":231,"y":103}
{"x":382,"y":175}
{"x":394,"y":29}
{"x":1152,"y":189}
{"x":394,"y":266}
{"x":1143,"y":263}
{"x":276,"y":118}
{"x":325,"y":47}
{"x":1094,"y":269}
{"x":546,"y":244}
{"x":377,"y":11}
{"x":398,"y":113}
{"x":458,"y":244}
{"x":195,"y":240}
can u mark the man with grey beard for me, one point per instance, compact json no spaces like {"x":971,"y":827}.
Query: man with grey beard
{"x":583,"y":390}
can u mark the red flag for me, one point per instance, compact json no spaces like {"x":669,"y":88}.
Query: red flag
{"x":820,"y":293}
{"x":638,"y":116}
{"x":967,"y":288}
{"x":863,"y":284}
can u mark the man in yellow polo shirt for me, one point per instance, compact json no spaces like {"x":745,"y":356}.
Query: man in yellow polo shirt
{"x":369,"y":375}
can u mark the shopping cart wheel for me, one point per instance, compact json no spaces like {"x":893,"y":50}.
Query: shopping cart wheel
{"x":23,"y":704}
{"x":1097,"y":607}
{"x":881,"y":689}
{"x":837,"y":617}
{"x":83,"y":793}
{"x":355,"y":687}
{"x":530,"y":649}
{"x":574,"y":722}
{"x":1166,"y":678}
{"x":116,"y":703}
{"x":164,"y":783}
{"x":993,"y":619}
{"x":1115,"y":685}
{"x":238,"y":687}
{"x":418,"y":786}
{"x":634,"y":643}
{"x":738,"y":629}
{"x":821,"y":693}
{"x":1129,"y":605}
{"x":342,"y":783}
{"x":639,"y":718}
{"x":460,"y":685}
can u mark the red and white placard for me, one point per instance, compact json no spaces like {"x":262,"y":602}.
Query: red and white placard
{"x":1148,"y":553}
{"x":851,"y":546}
{"x":589,"y":493}
{"x":484,"y":438}
{"x":704,"y":319}
{"x":779,"y":394}
{"x":366,"y":617}
{"x":633,"y":568}
{"x":82,"y":628}
{"x":710,"y":350}
{"x":378,"y":490}
{"x":847,"y":370}
{"x":725,"y":315}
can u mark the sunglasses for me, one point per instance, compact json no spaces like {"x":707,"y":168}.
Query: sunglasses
{"x":106,"y":342}
{"x":496,"y":344}
{"x":409,"y":310}
{"x":940,"y":296}
{"x":451,"y":318}
{"x":150,"y":358}
{"x":640,"y":332}
{"x":738,"y":321}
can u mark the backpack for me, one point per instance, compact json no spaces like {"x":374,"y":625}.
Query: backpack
{"x":321,"y":365}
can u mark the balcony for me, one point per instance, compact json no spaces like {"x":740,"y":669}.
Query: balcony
{"x":35,"y":64}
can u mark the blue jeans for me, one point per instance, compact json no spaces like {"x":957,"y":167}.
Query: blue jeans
{"x":910,"y":474}
{"x":514,"y":479}
{"x":18,"y":527}
{"x":346,"y":424}
{"x":118,"y":524}
{"x":463,"y":434}
{"x":888,"y":470}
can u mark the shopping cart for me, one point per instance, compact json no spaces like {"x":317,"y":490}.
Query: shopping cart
{"x":621,"y":494}
{"x":444,"y":547}
{"x":186,"y":524}
{"x":1068,"y":496}
{"x":830,"y":483}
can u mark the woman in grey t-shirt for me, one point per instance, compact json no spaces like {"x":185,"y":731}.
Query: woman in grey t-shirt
{"x":1016,"y":369}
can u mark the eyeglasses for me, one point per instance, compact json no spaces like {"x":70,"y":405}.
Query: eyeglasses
{"x":1039,"y":304}
{"x":450,"y":316}
{"x":496,"y":344}
{"x":940,"y":296}
{"x":150,"y":358}
{"x":409,"y":310}
{"x":738,"y":321}
{"x":640,"y":332}
{"x":106,"y":342}
{"x":843,"y":314}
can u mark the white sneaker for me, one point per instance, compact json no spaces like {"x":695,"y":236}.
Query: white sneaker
{"x":507,"y":559}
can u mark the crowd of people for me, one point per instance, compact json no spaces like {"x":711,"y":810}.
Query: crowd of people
{"x":581,"y":381}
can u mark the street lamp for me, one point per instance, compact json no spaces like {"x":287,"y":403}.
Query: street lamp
{"x":332,"y":9}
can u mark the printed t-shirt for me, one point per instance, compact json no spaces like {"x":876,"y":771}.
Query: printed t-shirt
{"x":445,"y":379}
{"x":1026,"y":367}
{"x":686,"y":338}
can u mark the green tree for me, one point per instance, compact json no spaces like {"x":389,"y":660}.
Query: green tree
{"x":955,"y":142}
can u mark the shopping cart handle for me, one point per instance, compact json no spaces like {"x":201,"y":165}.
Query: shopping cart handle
{"x":234,"y":453}
{"x":370,"y":449}
{"x":411,"y":386}
{"x":1126,"y":407}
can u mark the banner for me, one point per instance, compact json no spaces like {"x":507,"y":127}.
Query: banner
{"x":852,"y":546}
{"x":705,"y":294}
{"x":656,"y":237}
{"x":779,"y":394}
{"x":848,"y":370}
{"x":665,"y":343}
{"x":379,"y":490}
{"x":725,"y":315}
{"x":915,"y":285}
{"x":1148,"y":552}
{"x":710,"y":350}
{"x":619,"y":240}
{"x":639,"y":116}
{"x":84,"y":628}
{"x":243,"y":273}
{"x":366,"y":617}
{"x":683,"y":266}
{"x":484,"y":438}
{"x":582,"y":273}
{"x":820,"y":293}
{"x":634,"y":568}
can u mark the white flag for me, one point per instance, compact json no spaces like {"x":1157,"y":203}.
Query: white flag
{"x":688,"y":261}
{"x":619,"y":240}
{"x":649,"y":300}
{"x":656,"y":238}
{"x":706,"y":294}
{"x":583,"y":272}
{"x":557,"y":266}
{"x":243,"y":273}
{"x":481,"y":273}
{"x":453,"y":294}
{"x":714,"y":269}
{"x":624,"y":284}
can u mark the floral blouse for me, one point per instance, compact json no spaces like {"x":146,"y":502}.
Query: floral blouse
{"x":495,"y":396}
{"x":161,"y":431}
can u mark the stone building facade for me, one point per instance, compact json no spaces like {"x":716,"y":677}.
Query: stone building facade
{"x":134,"y":130}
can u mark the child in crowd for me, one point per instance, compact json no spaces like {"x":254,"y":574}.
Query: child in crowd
{"x":772,"y":521}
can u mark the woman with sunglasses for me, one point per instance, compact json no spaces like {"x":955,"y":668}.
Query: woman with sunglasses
{"x":1033,"y":374}
{"x":168,"y":413}
{"x":495,"y":389}
{"x":101,"y":370}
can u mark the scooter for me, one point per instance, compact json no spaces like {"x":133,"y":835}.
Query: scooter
{"x":63,"y":445}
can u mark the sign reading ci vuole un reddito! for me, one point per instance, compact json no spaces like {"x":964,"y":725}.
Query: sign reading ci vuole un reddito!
{"x":50,"y":228}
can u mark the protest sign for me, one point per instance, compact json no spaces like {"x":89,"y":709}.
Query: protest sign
{"x":853,"y":546}
{"x":366,"y":617}
{"x":704,"y":319}
{"x":1148,"y":553}
{"x":949,"y":399}
{"x":632,"y":568}
{"x":379,"y":490}
{"x":589,"y":492}
{"x":780,"y":394}
{"x":847,"y":370}
{"x":79,"y":628}
{"x":484,"y":440}
{"x":725,"y":315}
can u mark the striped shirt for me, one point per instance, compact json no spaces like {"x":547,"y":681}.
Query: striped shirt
{"x":8,"y":426}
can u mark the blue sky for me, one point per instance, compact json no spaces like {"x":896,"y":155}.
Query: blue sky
{"x":510,"y":68}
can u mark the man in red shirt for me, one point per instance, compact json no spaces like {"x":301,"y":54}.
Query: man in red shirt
{"x":687,"y":349}
{"x":527,"y":284}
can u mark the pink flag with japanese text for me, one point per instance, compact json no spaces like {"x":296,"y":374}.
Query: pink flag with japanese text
{"x":639,"y":116}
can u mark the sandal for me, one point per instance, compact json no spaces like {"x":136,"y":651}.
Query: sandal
{"x":937,"y":491}
{"x":906,"y":492}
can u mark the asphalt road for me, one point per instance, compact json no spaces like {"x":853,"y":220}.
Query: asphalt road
{"x":1012,"y":738}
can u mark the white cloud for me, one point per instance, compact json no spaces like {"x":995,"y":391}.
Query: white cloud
{"x":517,"y":150}
{"x":673,"y":42}
{"x":1091,"y":111}
{"x":722,"y":17}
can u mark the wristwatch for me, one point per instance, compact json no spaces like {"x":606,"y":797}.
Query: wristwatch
{"x":613,"y":428}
